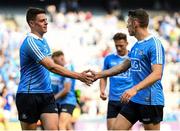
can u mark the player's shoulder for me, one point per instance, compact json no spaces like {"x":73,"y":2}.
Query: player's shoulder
{"x":30,"y":40}
{"x":155,"y":40}
{"x":110,"y":55}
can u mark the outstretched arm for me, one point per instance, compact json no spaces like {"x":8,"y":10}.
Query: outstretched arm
{"x":55,"y":68}
{"x":114,"y":70}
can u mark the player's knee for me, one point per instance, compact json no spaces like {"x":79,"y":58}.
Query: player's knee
{"x":62,"y":126}
{"x":110,"y":126}
{"x":51,"y":127}
{"x":152,"y":126}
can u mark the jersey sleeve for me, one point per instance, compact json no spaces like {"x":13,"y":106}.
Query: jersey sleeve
{"x":129,"y":55}
{"x":156,"y":52}
{"x":105,"y":65}
{"x":67,"y":80}
{"x":35,"y":51}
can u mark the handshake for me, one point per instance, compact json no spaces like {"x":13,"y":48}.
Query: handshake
{"x":89,"y":76}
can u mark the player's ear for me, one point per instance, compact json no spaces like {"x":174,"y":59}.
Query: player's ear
{"x":31,"y":23}
{"x":136,"y":23}
{"x":127,"y":43}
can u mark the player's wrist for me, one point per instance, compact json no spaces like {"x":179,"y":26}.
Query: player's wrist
{"x":98,"y":75}
{"x":102,"y":91}
{"x":136,"y":88}
{"x":78,"y":76}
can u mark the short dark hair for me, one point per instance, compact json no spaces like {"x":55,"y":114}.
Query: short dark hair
{"x":32,"y":12}
{"x":57,"y":53}
{"x":120,"y":36}
{"x":141,"y":15}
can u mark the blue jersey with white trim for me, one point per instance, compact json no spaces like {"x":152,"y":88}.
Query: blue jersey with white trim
{"x":34,"y":77}
{"x":143,"y":55}
{"x":58,"y":85}
{"x":120,"y":82}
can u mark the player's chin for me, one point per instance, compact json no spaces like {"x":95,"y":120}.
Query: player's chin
{"x":130,"y":33}
{"x":45,"y":30}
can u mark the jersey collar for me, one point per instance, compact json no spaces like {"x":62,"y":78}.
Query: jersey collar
{"x":146,"y":39}
{"x":35,"y":36}
{"x":115,"y":53}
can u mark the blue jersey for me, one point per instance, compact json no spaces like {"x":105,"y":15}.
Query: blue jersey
{"x":34,"y":76}
{"x":118,"y":83}
{"x":58,"y":85}
{"x":55,"y":80}
{"x":143,"y":55}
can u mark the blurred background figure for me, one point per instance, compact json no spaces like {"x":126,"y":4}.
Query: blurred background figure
{"x":8,"y":97}
{"x":118,"y":83}
{"x":3,"y":120}
{"x":64,"y":93}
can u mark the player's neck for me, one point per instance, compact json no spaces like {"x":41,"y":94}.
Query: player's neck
{"x":142,"y":34}
{"x":124,"y":53}
{"x":37,"y":33}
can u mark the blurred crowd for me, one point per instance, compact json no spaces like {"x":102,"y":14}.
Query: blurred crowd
{"x":86,"y":38}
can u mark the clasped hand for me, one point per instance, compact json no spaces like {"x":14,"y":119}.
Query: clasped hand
{"x":88,"y":77}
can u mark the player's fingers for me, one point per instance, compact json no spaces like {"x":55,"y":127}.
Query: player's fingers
{"x":87,"y":71}
{"x":92,"y":72}
{"x":125,"y":98}
{"x":88,"y":83}
{"x":89,"y":79}
{"x":103,"y":97}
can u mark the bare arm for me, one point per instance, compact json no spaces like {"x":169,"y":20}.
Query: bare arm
{"x":114,"y":70}
{"x":55,"y":68}
{"x":149,"y":80}
{"x":103,"y":83}
{"x":66,"y":89}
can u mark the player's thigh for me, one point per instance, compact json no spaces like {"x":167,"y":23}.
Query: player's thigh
{"x":151,"y":116}
{"x":113,"y":109}
{"x":127,"y":118}
{"x":49,"y":112}
{"x":64,"y":118}
{"x":28,"y":126}
{"x":66,"y":111}
{"x":27,"y":111}
{"x":121,"y":123}
{"x":110,"y":123}
{"x":49,"y":121}
{"x":152,"y":126}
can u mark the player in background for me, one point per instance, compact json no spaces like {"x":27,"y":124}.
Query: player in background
{"x":118,"y":83}
{"x":64,"y":90}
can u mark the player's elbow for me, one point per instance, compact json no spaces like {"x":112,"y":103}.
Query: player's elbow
{"x":48,"y":64}
{"x":66,"y":91}
{"x":158,"y":76}
{"x":51,"y":68}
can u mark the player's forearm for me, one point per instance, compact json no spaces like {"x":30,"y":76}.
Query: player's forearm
{"x":65,"y":91}
{"x":110,"y":72}
{"x":64,"y":72}
{"x":60,"y":94}
{"x":148,"y":81}
{"x":103,"y":83}
{"x":114,"y":70}
{"x":55,"y":68}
